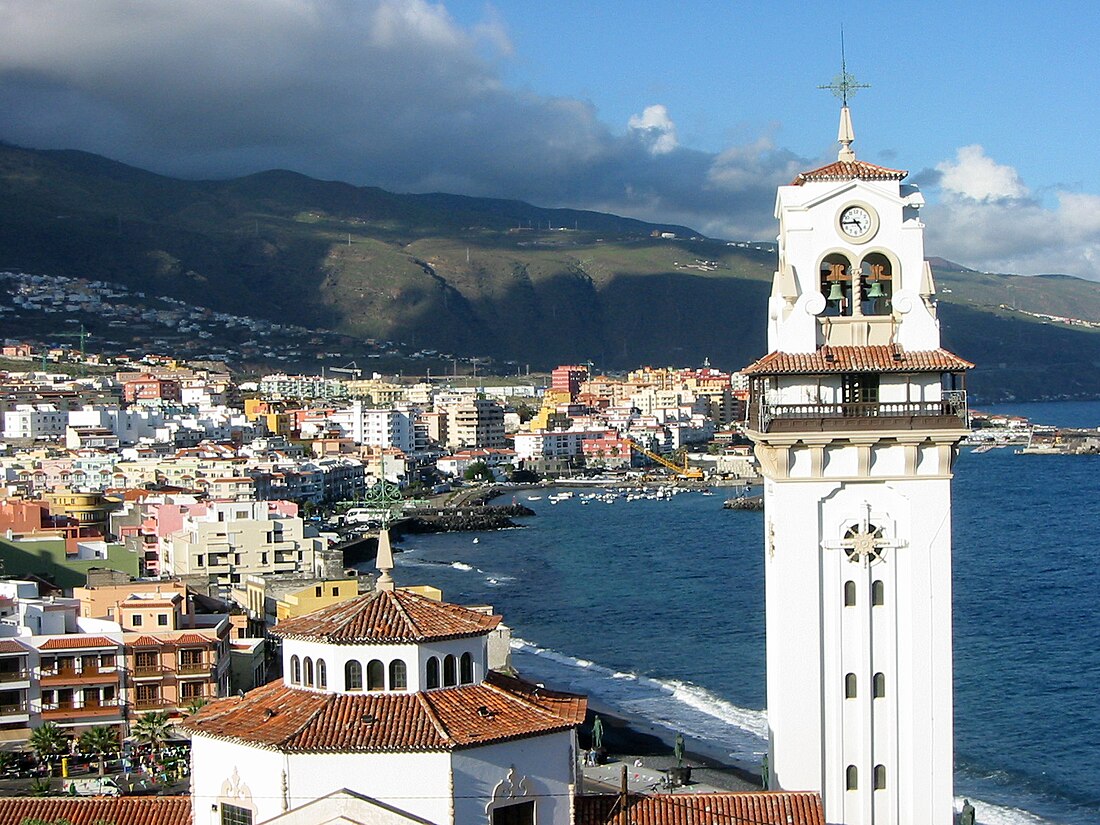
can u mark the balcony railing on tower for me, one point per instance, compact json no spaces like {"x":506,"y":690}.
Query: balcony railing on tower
{"x":949,"y":412}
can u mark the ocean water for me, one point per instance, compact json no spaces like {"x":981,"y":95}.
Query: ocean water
{"x":656,"y":608}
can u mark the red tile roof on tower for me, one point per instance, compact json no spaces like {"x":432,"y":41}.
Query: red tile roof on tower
{"x":123,"y":810}
{"x":291,"y":720}
{"x":890,"y":358}
{"x":387,"y":617}
{"x":756,"y":807}
{"x":849,"y":170}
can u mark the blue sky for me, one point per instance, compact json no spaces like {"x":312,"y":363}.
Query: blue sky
{"x":684,"y":113}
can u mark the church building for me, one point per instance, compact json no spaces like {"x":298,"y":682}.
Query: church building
{"x":389,"y":697}
{"x":856,"y":414}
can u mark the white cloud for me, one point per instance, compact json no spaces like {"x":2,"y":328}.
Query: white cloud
{"x":974,"y":175}
{"x":655,"y":127}
{"x":985,"y":219}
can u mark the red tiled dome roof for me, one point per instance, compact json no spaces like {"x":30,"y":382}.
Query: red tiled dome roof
{"x":291,"y":720}
{"x":387,"y":617}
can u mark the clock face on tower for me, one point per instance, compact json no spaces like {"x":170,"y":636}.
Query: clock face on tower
{"x":857,"y":223}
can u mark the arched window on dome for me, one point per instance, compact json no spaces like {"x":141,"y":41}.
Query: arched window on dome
{"x":851,"y":778}
{"x":398,"y":675}
{"x":466,"y":669}
{"x":295,"y":670}
{"x":850,"y":686}
{"x":449,"y":679}
{"x":322,"y":674}
{"x":376,"y":675}
{"x":307,"y":672}
{"x":353,"y":676}
{"x":431,"y":676}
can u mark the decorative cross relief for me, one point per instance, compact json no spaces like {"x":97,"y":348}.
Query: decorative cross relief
{"x":864,"y":542}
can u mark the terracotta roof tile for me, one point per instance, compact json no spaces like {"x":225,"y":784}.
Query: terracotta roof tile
{"x":387,"y":617}
{"x":76,"y":641}
{"x":857,"y":359}
{"x":11,"y":646}
{"x":145,"y":641}
{"x":194,"y":639}
{"x":124,"y":810}
{"x":757,"y":807}
{"x":847,"y":170}
{"x":287,"y":719}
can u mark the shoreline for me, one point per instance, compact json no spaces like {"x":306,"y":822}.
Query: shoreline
{"x":628,"y":737}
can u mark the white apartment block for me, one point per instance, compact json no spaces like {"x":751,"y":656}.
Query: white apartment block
{"x":35,"y":421}
{"x":376,"y":427}
{"x":477,"y":423}
{"x":231,"y":539}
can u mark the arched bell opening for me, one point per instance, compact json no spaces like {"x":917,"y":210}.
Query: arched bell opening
{"x":877,"y":285}
{"x":835,"y":277}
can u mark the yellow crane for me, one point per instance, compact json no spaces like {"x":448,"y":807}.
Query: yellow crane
{"x":684,"y":471}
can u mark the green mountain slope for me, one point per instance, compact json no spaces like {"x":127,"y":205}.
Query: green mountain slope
{"x":478,"y":276}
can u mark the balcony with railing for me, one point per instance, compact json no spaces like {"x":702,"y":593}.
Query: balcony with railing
{"x":10,"y":713}
{"x":194,"y":669}
{"x":21,"y":675}
{"x":78,"y":676}
{"x":950,"y":412}
{"x":151,"y":703}
{"x":73,"y":710}
{"x":149,"y":671}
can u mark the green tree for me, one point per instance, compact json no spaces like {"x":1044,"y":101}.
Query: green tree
{"x":478,"y":471}
{"x":48,"y":741}
{"x":100,"y":740}
{"x":195,"y":705}
{"x":152,"y":729}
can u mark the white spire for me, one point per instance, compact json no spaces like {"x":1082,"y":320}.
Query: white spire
{"x":846,"y":135}
{"x":384,"y":561}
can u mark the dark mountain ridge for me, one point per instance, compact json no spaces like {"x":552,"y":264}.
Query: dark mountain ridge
{"x":481,"y":276}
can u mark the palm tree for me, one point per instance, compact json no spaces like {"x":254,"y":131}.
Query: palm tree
{"x":48,"y":741}
{"x":100,"y":740}
{"x":153,"y":729}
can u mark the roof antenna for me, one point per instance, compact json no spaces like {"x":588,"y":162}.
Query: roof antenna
{"x":844,"y":86}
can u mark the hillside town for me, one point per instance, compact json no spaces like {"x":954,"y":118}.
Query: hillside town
{"x":159,"y":520}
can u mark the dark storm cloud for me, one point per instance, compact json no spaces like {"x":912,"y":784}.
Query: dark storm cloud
{"x":378,"y":92}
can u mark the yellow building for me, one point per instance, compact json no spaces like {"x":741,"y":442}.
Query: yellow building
{"x":314,"y":597}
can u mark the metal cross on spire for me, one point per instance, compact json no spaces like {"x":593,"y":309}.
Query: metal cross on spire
{"x":844,"y":85}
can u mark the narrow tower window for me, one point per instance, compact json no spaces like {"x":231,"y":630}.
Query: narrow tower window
{"x":307,"y":668}
{"x":431,"y":679}
{"x":851,"y":778}
{"x":850,"y":686}
{"x":880,"y":685}
{"x":376,"y":675}
{"x":398,"y":680}
{"x":880,"y":777}
{"x":466,"y":669}
{"x":322,"y":674}
{"x":449,"y":677}
{"x":878,"y":594}
{"x":295,"y":670}
{"x":849,"y":594}
{"x":353,"y":676}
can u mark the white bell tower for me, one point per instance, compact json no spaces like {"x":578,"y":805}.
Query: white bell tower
{"x":856,"y":414}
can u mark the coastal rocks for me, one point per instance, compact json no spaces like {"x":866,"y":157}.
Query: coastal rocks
{"x":465,"y":518}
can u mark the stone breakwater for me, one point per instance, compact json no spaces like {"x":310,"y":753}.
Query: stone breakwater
{"x":474,"y":517}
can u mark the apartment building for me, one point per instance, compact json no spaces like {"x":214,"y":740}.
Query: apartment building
{"x":230,"y":539}
{"x":475,"y":423}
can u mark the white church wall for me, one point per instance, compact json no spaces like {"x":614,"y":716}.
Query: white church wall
{"x":477,"y":647}
{"x":539,"y":767}
{"x":257,"y":773}
{"x":419,"y":783}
